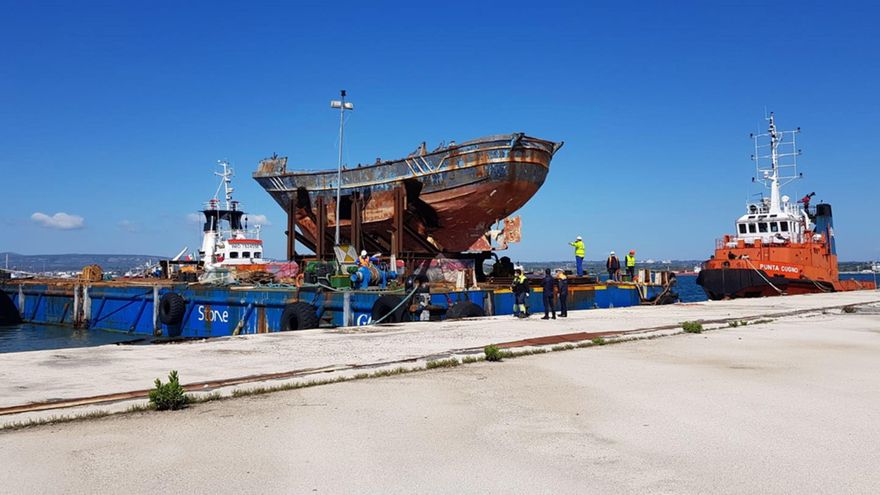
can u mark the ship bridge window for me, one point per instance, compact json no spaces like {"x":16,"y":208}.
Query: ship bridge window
{"x":783,"y":226}
{"x":742,"y":228}
{"x":246,"y":254}
{"x":762,"y":227}
{"x":774,"y":227}
{"x":258,"y":254}
{"x":751,"y":228}
{"x":233,"y":254}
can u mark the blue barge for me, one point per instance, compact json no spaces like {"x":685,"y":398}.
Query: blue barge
{"x":166,"y":309}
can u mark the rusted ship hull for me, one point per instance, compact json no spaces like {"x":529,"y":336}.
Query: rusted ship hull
{"x":450,"y":197}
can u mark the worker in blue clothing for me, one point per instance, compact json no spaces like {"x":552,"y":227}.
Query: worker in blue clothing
{"x":562,"y":287}
{"x":549,"y":284}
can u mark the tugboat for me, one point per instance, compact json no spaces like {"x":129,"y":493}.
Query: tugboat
{"x":780,"y":247}
{"x":226,"y":242}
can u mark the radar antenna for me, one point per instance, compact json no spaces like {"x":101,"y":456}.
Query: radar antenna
{"x":775,"y":160}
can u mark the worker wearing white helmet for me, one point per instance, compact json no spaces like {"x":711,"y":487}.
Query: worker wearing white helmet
{"x":363,"y":259}
{"x":579,"y":252}
{"x":612,"y":264}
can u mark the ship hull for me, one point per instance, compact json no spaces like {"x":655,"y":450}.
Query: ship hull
{"x":733,"y":283}
{"x":452,"y":196}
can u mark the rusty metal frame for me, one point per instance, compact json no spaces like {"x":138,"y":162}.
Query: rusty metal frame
{"x":291,"y":229}
{"x":356,"y":219}
{"x":397,"y":227}
{"x":321,"y":221}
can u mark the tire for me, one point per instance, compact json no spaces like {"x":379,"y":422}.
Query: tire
{"x":8,"y":312}
{"x":384,"y":305}
{"x":298,"y":316}
{"x":172,"y":306}
{"x":464,"y":309}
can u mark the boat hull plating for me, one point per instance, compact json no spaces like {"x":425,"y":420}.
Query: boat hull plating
{"x":453,"y":195}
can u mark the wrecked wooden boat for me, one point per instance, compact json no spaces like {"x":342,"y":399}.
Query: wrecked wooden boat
{"x":450,"y":200}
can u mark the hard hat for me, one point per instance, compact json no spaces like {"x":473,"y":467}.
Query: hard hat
{"x":612,"y":252}
{"x":364,"y":252}
{"x":579,"y":238}
{"x":518,"y":267}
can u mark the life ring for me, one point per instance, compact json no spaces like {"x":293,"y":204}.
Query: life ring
{"x":172,"y":306}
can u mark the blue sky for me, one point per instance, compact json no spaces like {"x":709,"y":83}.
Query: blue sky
{"x":115,"y":113}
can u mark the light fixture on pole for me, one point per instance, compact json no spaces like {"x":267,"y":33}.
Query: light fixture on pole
{"x":342,"y":105}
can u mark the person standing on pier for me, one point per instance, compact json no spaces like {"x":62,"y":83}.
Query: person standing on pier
{"x":549,"y":284}
{"x":520,"y":291}
{"x":631,"y":265}
{"x":579,"y":252}
{"x":612,"y":264}
{"x":562,"y":287}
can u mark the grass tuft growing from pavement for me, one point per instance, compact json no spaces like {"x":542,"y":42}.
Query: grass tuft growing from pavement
{"x":493,"y":353}
{"x":692,"y":327}
{"x":442,"y":363}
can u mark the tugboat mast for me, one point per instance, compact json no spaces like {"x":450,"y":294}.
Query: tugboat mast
{"x":773,"y":176}
{"x":225,"y":182}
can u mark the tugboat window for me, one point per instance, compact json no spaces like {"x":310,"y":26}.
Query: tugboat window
{"x":257,"y":254}
{"x":774,"y":227}
{"x":742,"y":228}
{"x":784,"y":226}
{"x":751,"y":228}
{"x":233,"y":254}
{"x":246,"y":254}
{"x":762,"y":227}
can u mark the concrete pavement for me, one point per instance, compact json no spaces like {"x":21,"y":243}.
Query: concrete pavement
{"x":790,"y":406}
{"x":39,"y":376}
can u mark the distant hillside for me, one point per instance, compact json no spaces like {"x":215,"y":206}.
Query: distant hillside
{"x":73,"y":262}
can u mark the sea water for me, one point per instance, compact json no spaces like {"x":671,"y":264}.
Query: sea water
{"x":34,"y":337}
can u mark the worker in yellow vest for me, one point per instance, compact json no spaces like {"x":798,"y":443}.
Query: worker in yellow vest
{"x":579,"y":252}
{"x":631,"y":264}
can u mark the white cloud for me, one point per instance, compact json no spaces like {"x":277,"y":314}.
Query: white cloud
{"x":128,"y":226}
{"x":60,"y":221}
{"x":258,"y":220}
{"x":193,"y":218}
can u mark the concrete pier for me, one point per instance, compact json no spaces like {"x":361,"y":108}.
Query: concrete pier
{"x":71,"y":381}
{"x":785,"y":406}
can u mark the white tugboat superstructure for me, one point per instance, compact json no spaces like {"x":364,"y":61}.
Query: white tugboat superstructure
{"x":226,"y":241}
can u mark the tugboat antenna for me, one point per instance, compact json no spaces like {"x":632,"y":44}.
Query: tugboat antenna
{"x":225,"y":182}
{"x":776,"y":159}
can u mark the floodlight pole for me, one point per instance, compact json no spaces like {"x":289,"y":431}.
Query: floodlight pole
{"x":342,"y":109}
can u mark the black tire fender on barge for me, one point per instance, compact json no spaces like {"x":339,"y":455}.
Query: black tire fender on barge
{"x":8,"y":312}
{"x":172,"y":307}
{"x":298,"y":316}
{"x":386,"y":305}
{"x":464,"y":309}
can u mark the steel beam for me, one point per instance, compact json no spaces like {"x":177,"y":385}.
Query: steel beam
{"x":291,"y":229}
